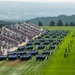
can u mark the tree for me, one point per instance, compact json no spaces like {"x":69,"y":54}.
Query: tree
{"x":40,"y":23}
{"x":19,"y":22}
{"x":72,"y":24}
{"x":27,"y":21}
{"x":52,"y":23}
{"x":66,"y":24}
{"x":59,"y":23}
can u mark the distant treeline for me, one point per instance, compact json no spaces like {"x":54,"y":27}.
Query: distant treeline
{"x":53,"y":21}
{"x":59,"y":23}
{"x":3,"y":23}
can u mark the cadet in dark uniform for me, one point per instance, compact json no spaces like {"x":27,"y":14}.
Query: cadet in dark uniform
{"x":67,"y":54}
{"x":64,"y":54}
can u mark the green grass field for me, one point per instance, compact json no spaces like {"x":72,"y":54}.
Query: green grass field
{"x":55,"y":65}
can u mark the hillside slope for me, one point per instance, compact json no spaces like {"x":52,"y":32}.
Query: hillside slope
{"x":47,"y":20}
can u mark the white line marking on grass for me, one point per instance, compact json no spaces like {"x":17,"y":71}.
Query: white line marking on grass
{"x":42,"y":63}
{"x":19,"y":69}
{"x":3,"y":68}
{"x":16,"y":73}
{"x":37,"y":66}
{"x":37,"y":69}
{"x":29,"y":70}
{"x":23,"y":67}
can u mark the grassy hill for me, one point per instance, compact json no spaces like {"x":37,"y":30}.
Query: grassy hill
{"x":55,"y":65}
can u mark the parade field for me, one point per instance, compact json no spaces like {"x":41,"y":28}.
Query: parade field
{"x":56,"y":64}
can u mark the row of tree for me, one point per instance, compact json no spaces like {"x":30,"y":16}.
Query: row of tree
{"x":3,"y":23}
{"x":59,"y":23}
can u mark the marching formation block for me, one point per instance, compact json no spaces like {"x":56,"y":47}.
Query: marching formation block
{"x":31,"y":40}
{"x":42,"y":40}
{"x":29,"y":43}
{"x":39,"y":37}
{"x":47,"y":36}
{"x":55,"y":43}
{"x":37,"y":43}
{"x":30,"y":47}
{"x":21,"y":48}
{"x":25,"y":57}
{"x":40,"y":57}
{"x":52,"y":47}
{"x":12,"y":57}
{"x":54,"y":36}
{"x":2,"y":57}
{"x":51,"y":40}
{"x":21,"y":52}
{"x":46,"y":42}
{"x":46,"y":52}
{"x":41,"y":46}
{"x":59,"y":40}
{"x":12,"y":53}
{"x":33,"y":52}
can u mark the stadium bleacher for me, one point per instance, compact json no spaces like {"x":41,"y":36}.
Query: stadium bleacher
{"x":13,"y":35}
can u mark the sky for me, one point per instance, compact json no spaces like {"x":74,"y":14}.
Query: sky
{"x":28,"y":9}
{"x":42,"y":0}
